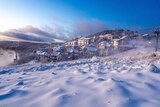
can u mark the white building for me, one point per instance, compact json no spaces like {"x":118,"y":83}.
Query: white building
{"x":83,"y":41}
{"x":106,"y":36}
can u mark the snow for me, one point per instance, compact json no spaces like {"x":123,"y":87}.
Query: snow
{"x":58,"y":48}
{"x":84,"y":38}
{"x":71,"y":50}
{"x":122,"y":80}
{"x":43,"y":53}
{"x":105,"y":43}
{"x":123,"y":37}
{"x":89,"y":48}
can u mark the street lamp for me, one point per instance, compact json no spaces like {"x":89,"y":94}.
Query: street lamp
{"x":157,"y":32}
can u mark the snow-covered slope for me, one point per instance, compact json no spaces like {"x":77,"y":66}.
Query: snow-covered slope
{"x":122,"y":81}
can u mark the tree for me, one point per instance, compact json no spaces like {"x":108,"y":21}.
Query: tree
{"x":157,"y":32}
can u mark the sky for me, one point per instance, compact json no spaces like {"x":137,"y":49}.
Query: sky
{"x":69,"y":18}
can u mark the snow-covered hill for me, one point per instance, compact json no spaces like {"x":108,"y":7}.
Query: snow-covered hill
{"x":123,"y":80}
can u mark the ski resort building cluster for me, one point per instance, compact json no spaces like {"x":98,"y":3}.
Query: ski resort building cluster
{"x":100,"y":44}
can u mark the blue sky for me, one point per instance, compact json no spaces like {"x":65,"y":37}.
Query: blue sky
{"x":79,"y":17}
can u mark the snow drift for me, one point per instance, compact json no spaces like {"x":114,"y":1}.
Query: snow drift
{"x":121,"y":81}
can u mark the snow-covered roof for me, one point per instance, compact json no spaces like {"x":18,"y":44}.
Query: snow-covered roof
{"x":84,"y":38}
{"x":58,"y":48}
{"x":107,"y":44}
{"x":145,"y":34}
{"x":71,"y":50}
{"x":118,"y":39}
{"x":93,"y":44}
{"x":106,"y":35}
{"x":89,"y":48}
{"x":43,"y":53}
{"x":55,"y":53}
{"x":123,"y":37}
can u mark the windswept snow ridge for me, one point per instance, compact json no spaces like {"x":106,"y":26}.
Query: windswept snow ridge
{"x":125,"y":81}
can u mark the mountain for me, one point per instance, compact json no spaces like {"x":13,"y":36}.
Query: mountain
{"x":117,"y":32}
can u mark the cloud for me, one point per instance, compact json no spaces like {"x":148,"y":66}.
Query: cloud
{"x":79,"y":28}
{"x":24,"y":36}
{"x":31,"y":33}
{"x":57,"y":31}
{"x":84,"y":27}
{"x":33,"y":30}
{"x":60,"y":32}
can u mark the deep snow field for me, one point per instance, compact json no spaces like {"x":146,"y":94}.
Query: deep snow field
{"x":122,"y":80}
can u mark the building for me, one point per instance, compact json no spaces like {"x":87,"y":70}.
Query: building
{"x":116,"y":43}
{"x":93,"y":39}
{"x":103,"y":45}
{"x":104,"y":48}
{"x":67,"y":44}
{"x":108,"y":37}
{"x":83,"y":41}
{"x":89,"y":50}
{"x":72,"y":43}
{"x":43,"y":56}
{"x":120,"y":42}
